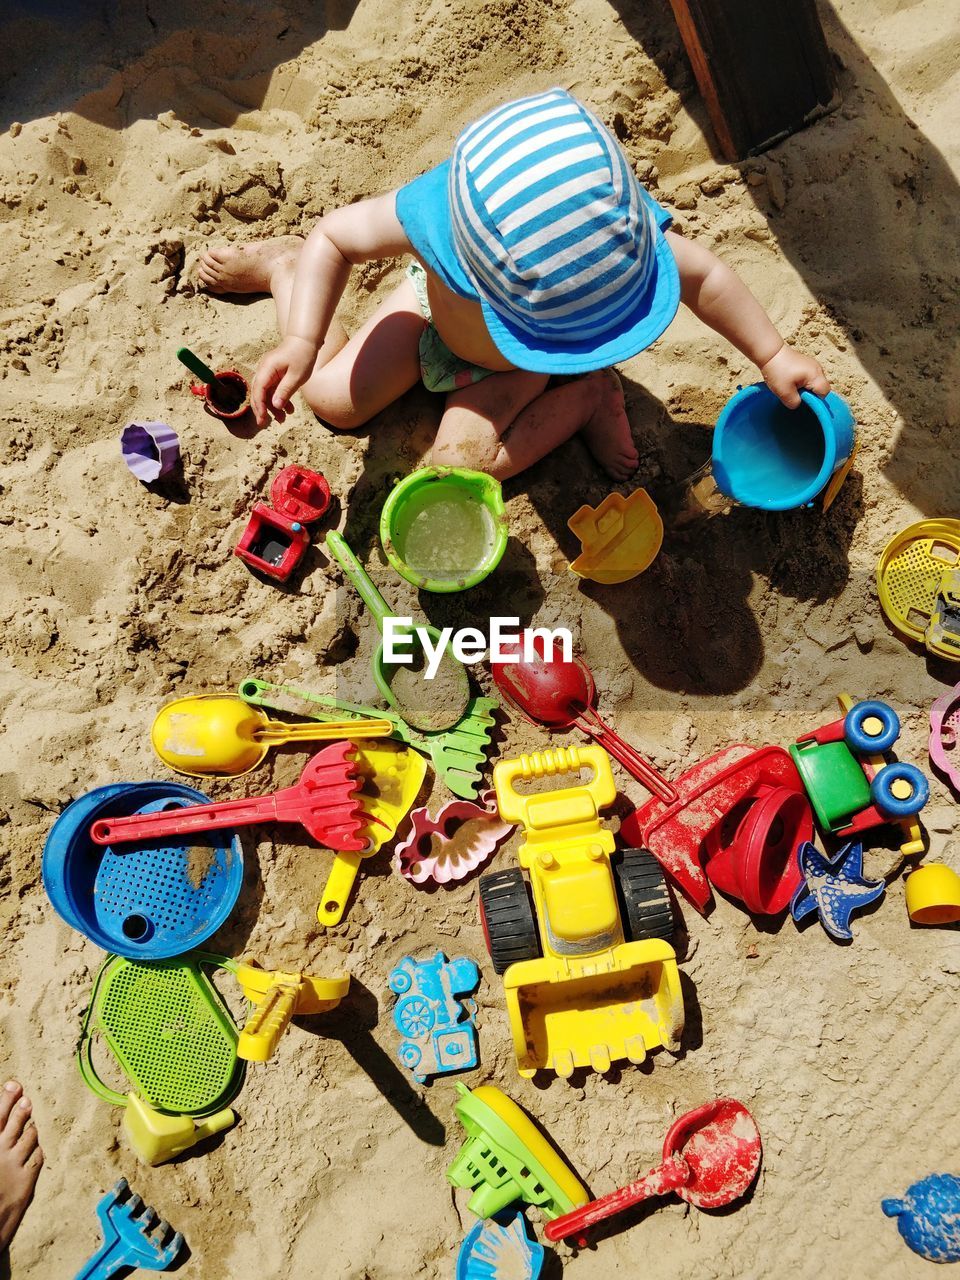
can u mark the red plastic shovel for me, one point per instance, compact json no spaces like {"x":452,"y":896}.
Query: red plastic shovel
{"x":559,"y":694}
{"x":324,"y":802}
{"x":710,"y":1158}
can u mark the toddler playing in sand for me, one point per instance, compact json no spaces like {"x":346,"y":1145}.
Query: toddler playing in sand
{"x":536,"y":253}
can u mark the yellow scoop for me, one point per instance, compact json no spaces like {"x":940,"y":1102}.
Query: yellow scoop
{"x":220,"y":734}
{"x":391,"y":778}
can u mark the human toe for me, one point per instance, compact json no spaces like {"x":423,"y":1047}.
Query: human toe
{"x":16,"y":1123}
{"x":9,"y":1094}
{"x":27,"y":1143}
{"x":210,"y":279}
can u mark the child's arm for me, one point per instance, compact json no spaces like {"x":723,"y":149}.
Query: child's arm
{"x":718,"y":297}
{"x":355,"y":233}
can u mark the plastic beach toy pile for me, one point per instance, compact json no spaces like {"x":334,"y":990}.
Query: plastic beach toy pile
{"x":583,"y":923}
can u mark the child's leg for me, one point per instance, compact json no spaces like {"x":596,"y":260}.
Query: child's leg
{"x":509,"y":421}
{"x":354,"y":378}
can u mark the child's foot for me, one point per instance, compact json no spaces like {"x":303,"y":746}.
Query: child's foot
{"x":20,"y":1159}
{"x":248,"y":268}
{"x":607,"y":433}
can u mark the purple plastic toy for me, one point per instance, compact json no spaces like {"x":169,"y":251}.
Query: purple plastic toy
{"x":150,"y":449}
{"x":945,"y":736}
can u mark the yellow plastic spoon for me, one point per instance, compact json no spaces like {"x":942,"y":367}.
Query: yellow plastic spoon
{"x":221,"y":734}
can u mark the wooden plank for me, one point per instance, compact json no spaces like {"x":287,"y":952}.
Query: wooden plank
{"x":762,"y":66}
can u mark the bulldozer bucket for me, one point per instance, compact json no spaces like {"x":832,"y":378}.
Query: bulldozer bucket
{"x":592,"y":1011}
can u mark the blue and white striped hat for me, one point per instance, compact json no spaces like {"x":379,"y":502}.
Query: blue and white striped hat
{"x":553,"y":233}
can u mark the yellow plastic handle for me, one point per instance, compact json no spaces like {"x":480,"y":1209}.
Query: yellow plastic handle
{"x":339,"y":885}
{"x":565,"y":804}
{"x":267,"y":1023}
{"x":216,"y":1123}
{"x":276,"y":732}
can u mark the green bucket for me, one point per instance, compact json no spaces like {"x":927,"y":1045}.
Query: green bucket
{"x":444,"y":528}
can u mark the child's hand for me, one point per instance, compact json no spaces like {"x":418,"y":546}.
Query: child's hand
{"x":280,"y":373}
{"x":789,"y":372}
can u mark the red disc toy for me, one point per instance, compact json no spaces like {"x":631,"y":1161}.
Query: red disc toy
{"x":751,"y":855}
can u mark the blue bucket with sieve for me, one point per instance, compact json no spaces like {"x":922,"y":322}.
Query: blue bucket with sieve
{"x":148,"y":900}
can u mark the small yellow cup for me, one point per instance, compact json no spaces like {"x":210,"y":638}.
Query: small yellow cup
{"x":933,"y":894}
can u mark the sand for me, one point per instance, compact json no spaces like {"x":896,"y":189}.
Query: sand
{"x":133,"y":137}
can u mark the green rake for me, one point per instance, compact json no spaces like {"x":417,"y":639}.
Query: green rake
{"x":458,"y":754}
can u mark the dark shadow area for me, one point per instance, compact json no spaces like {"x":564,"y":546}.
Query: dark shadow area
{"x":552,"y":1268}
{"x":352,"y":1023}
{"x":142,"y":60}
{"x":763,"y":924}
{"x":173,"y":487}
{"x":512,"y":590}
{"x":692,"y":1038}
{"x":232,"y":936}
{"x":870,"y":253}
{"x":242,"y":428}
{"x":182,"y":1258}
{"x":202,"y":1148}
{"x":687,"y":623}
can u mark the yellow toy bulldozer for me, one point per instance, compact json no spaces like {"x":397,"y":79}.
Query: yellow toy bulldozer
{"x":599,"y":982}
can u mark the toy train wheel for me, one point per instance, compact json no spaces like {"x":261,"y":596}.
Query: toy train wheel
{"x":506,"y":914}
{"x":900,"y":790}
{"x":399,"y":981}
{"x":410,"y":1054}
{"x":644,"y":897}
{"x":871,"y":727}
{"x":414,"y":1016}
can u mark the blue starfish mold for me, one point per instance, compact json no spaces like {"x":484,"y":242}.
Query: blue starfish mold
{"x":834,"y":888}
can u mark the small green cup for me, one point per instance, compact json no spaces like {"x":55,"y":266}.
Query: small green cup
{"x":444,"y":528}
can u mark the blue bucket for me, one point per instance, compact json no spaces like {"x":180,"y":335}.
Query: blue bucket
{"x":766,"y":455}
{"x":148,"y":900}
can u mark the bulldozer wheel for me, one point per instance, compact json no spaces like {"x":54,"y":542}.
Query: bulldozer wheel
{"x":507,"y":918}
{"x":644,"y":897}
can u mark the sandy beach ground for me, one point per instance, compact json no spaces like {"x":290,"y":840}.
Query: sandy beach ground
{"x":130,"y":138}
